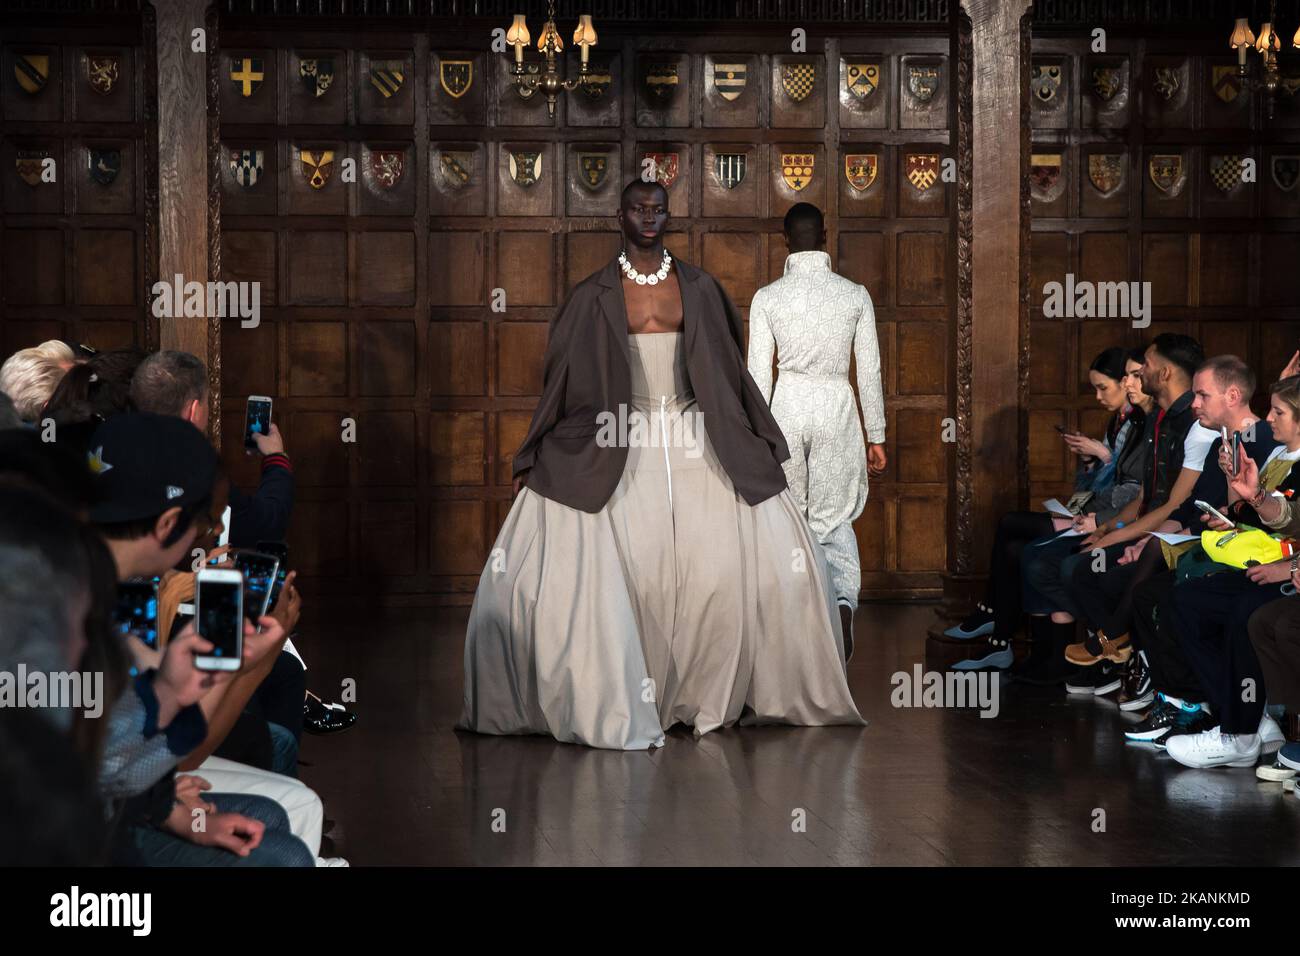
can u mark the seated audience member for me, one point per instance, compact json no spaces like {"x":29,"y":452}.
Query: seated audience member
{"x":1159,"y":672}
{"x":1101,"y":586}
{"x":29,"y":376}
{"x":1275,"y":636}
{"x":155,"y":476}
{"x":1212,"y":613}
{"x":998,"y":616}
{"x":9,"y":418}
{"x":90,"y":393}
{"x":1046,"y":564}
{"x":176,"y":383}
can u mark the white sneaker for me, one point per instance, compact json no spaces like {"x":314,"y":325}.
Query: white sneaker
{"x":1270,"y":734}
{"x":331,"y":861}
{"x":1212,"y":749}
{"x":1276,"y":772}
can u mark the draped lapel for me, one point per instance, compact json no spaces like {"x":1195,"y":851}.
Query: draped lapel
{"x":614,"y":307}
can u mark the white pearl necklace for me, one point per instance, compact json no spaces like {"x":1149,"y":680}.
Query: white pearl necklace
{"x":653,"y":278}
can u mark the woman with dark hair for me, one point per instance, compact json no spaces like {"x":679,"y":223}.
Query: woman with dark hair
{"x":997,"y":616}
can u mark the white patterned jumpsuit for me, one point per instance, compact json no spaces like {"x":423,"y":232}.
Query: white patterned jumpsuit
{"x":815,"y":319}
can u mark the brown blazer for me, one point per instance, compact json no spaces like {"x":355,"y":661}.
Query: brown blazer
{"x":587,"y":370}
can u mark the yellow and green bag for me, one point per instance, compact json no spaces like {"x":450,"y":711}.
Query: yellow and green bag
{"x":1243,"y":546}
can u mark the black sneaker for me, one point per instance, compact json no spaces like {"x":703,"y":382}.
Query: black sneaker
{"x":1136,"y":691}
{"x":1189,"y":722}
{"x":1082,"y":682}
{"x":1109,"y":677}
{"x":1156,"y":724}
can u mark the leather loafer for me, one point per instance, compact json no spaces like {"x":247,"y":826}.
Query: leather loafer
{"x":1118,"y":650}
{"x":321,"y":718}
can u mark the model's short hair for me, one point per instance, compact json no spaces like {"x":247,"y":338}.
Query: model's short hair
{"x":804,"y":221}
{"x":1182,"y":350}
{"x":30,"y":375}
{"x":1228,"y":370}
{"x":641,"y":184}
{"x":166,"y":382}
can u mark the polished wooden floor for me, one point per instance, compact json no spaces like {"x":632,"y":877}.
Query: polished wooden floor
{"x":915,"y":787}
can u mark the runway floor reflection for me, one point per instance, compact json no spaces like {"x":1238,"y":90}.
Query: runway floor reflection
{"x":918,"y":786}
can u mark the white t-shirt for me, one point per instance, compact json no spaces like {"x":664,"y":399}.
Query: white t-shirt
{"x":1197,"y":445}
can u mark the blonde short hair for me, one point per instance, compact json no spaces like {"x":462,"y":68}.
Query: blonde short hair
{"x":29,"y":376}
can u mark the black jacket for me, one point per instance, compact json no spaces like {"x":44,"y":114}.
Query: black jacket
{"x":264,"y":515}
{"x":1166,"y":431}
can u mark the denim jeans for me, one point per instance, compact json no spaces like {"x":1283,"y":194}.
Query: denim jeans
{"x":279,"y":847}
{"x":284,"y":750}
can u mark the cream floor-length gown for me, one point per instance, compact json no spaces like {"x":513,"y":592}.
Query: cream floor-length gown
{"x":678,"y":602}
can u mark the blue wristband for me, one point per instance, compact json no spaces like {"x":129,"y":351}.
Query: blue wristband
{"x":1118,"y":525}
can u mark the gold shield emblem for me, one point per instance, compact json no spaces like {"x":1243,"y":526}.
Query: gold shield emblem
{"x":1167,"y":173}
{"x":1106,"y":82}
{"x":317,"y":166}
{"x":29,"y":164}
{"x":1225,"y":172}
{"x":598,"y":81}
{"x":797,"y":169}
{"x":923,"y":82}
{"x":1106,"y":172}
{"x":387,"y":76}
{"x":525,"y":166}
{"x":860,"y":169}
{"x":1045,"y":82}
{"x":1225,"y":82}
{"x":457,"y":168}
{"x":456,"y":77}
{"x":922,"y":170}
{"x":797,"y":80}
{"x":729,"y":79}
{"x":666,"y":166}
{"x":247,"y":74}
{"x":861,"y":79}
{"x":594,"y":166}
{"x":1045,"y":180}
{"x":32,"y":71}
{"x":1167,"y":82}
{"x":102,"y":73}
{"x":661,"y":82}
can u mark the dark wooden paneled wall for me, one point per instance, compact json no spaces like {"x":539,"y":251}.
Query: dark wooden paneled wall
{"x":1223,"y":265}
{"x":75,"y":253}
{"x":377,"y":302}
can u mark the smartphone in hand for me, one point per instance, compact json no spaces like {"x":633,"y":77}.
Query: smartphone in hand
{"x":257,"y":419}
{"x":219,"y":618}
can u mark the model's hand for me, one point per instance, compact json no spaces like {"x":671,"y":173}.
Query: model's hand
{"x":1275,"y":572}
{"x":519,"y":483}
{"x":877,"y":460}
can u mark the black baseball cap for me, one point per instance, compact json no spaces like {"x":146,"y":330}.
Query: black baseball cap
{"x":143,"y":464}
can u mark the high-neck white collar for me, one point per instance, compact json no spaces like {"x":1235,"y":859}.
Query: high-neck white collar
{"x":815,"y":260}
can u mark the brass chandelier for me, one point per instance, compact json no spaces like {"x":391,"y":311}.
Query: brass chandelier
{"x":1267,"y":45}
{"x":549,"y":81}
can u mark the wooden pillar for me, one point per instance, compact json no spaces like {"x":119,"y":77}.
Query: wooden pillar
{"x":992,"y":335}
{"x":185,"y":213}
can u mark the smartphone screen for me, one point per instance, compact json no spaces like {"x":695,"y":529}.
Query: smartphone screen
{"x":220,"y":620}
{"x":136,"y":612}
{"x":280,"y":550}
{"x":257,"y":421}
{"x":259,"y":572}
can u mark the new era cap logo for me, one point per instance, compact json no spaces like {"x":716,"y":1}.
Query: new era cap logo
{"x":174,"y":492}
